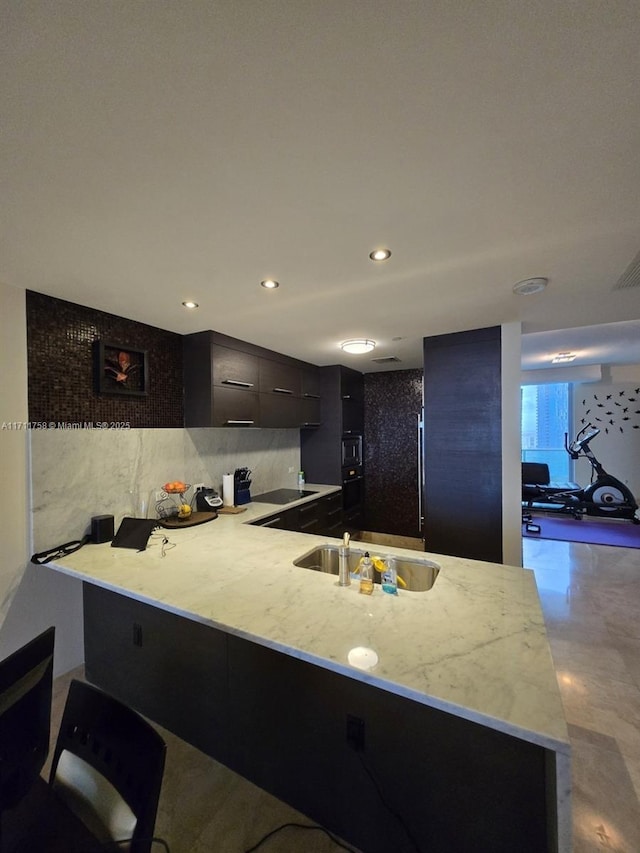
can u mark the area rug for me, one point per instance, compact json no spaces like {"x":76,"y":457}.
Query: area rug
{"x":624,"y":534}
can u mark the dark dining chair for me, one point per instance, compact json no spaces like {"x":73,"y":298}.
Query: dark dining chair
{"x":25,"y":717}
{"x":107,"y":767}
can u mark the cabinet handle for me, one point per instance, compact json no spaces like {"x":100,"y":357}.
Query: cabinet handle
{"x":311,"y":396}
{"x":308,"y":524}
{"x":346,"y":396}
{"x":282,"y":391}
{"x":238,"y":383}
{"x":311,"y":423}
{"x":334,"y":511}
{"x":237,"y":423}
{"x":271,"y":522}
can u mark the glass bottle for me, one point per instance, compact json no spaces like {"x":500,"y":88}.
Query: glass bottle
{"x":366,"y":574}
{"x":389,"y":577}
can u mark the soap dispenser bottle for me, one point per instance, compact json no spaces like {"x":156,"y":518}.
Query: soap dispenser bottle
{"x":389,"y":577}
{"x":366,"y":574}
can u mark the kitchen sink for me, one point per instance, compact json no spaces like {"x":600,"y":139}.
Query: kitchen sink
{"x":418,"y":575}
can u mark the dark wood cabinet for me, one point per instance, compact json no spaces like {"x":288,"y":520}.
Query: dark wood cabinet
{"x":168,"y":668}
{"x":463,"y":444}
{"x":342,"y":405}
{"x":352,"y":396}
{"x":311,"y":383}
{"x":322,"y":516}
{"x":310,"y":413}
{"x":310,"y":408}
{"x":234,"y":407}
{"x":233,"y":368}
{"x":331,"y":515}
{"x":315,"y":738}
{"x":284,"y":380}
{"x":285,"y":520}
{"x":279,"y":412}
{"x":321,"y":450}
{"x":234,"y":383}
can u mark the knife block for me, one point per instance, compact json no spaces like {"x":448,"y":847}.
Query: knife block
{"x":242,"y":493}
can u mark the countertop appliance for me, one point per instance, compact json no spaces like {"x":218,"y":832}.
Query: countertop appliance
{"x":207,"y":499}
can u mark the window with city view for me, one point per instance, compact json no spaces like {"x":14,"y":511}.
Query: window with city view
{"x":545,"y":420}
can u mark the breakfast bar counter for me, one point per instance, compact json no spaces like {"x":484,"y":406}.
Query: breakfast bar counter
{"x":472,"y":648}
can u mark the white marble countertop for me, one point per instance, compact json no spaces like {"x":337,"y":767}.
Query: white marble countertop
{"x":474,"y":645}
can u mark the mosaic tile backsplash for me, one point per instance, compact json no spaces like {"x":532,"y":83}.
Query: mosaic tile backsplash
{"x":392,"y":402}
{"x":61,"y":339}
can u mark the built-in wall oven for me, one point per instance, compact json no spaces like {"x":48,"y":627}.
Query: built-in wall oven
{"x":351,"y":451}
{"x":352,"y":487}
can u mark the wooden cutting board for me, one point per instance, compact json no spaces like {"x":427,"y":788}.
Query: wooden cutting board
{"x":194,"y":518}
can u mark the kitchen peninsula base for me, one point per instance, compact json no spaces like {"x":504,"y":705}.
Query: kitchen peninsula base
{"x":283,"y":723}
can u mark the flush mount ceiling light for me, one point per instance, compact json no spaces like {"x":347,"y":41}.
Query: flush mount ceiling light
{"x":190,"y":304}
{"x":530,"y":286}
{"x":563,"y":358}
{"x":380,"y":255}
{"x":269,"y":284}
{"x":358,"y":346}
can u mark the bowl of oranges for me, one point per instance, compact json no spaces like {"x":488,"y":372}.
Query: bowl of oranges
{"x":175,"y":487}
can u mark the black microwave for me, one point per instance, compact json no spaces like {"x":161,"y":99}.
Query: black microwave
{"x":352,"y":451}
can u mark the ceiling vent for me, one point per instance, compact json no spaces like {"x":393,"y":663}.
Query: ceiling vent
{"x":630,"y":277}
{"x":386,"y":359}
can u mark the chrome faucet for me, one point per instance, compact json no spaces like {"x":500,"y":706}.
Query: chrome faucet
{"x":344,"y":578}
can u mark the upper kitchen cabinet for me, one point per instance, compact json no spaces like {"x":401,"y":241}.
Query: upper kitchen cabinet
{"x":280,"y":390}
{"x":311,"y":396}
{"x":232,"y":383}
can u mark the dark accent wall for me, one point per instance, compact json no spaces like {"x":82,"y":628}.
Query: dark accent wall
{"x":392,"y":403}
{"x":463,"y":444}
{"x":60,"y":346}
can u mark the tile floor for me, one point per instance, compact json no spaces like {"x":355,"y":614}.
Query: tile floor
{"x":590,"y":597}
{"x":591,"y":601}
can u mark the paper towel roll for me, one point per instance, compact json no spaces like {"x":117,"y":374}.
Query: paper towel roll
{"x":227,"y":490}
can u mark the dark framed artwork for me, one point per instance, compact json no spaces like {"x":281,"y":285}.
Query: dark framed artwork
{"x":121,"y":370}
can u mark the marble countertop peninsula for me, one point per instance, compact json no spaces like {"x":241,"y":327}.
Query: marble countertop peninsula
{"x":474,"y":645}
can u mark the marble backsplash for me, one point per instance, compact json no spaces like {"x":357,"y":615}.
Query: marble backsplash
{"x":76,"y":474}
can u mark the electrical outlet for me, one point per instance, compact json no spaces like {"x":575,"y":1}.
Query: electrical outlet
{"x":355,"y":732}
{"x":197,"y":487}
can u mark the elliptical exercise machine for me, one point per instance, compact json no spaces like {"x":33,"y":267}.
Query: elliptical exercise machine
{"x":605,"y":497}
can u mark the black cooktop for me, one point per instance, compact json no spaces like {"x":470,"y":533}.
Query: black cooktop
{"x":282,"y":496}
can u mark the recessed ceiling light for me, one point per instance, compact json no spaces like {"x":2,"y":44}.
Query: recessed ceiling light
{"x":190,"y":304}
{"x":270,"y":284}
{"x":563,"y":357}
{"x":380,"y":255}
{"x":358,"y":346}
{"x":530,"y":286}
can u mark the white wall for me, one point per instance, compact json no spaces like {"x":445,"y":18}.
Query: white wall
{"x":13,"y":442}
{"x":31,"y":598}
{"x":618,"y":449}
{"x":511,"y":452}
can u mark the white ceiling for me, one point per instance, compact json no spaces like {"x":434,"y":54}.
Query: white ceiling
{"x":154,"y":152}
